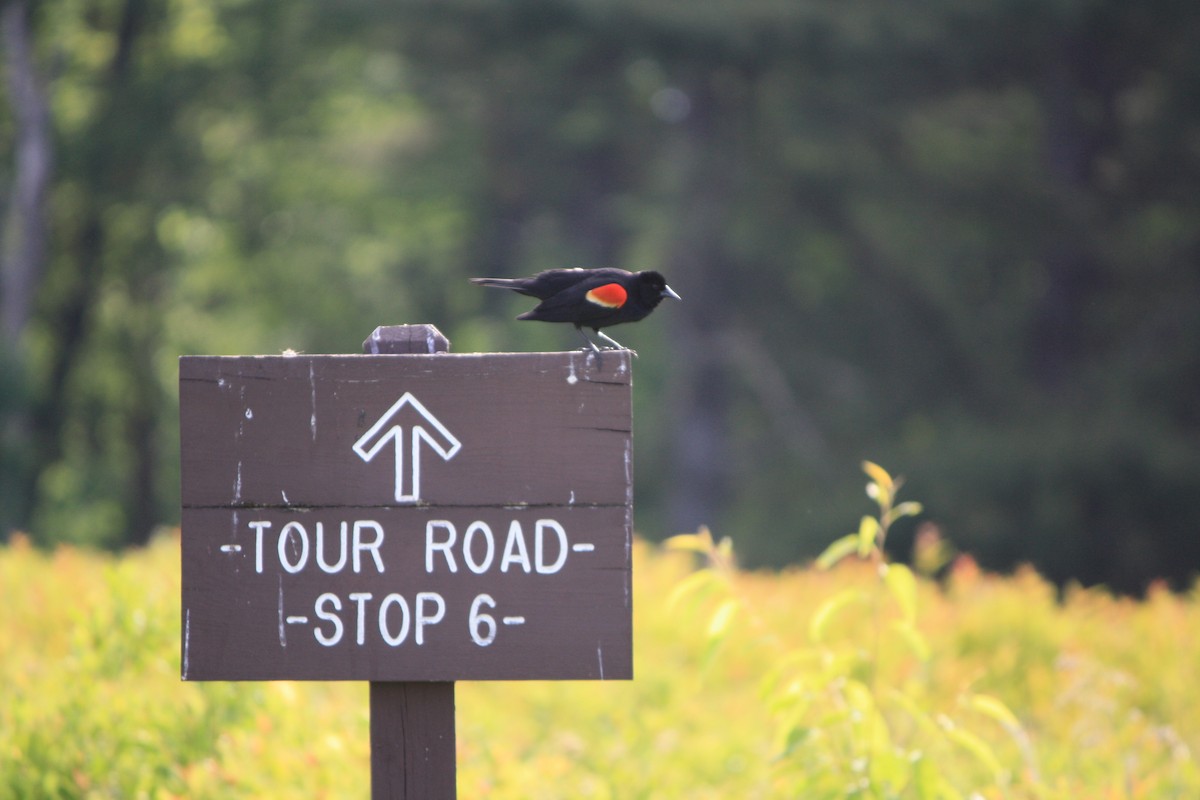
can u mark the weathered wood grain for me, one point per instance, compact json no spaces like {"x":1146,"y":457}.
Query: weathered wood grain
{"x":412,"y":741}
{"x":268,"y":468}
{"x":536,"y":428}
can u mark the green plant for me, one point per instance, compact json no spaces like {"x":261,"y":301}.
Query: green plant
{"x":1104,"y":688}
{"x":851,"y":700}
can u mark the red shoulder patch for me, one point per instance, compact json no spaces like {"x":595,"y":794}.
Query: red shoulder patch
{"x":610,"y":295}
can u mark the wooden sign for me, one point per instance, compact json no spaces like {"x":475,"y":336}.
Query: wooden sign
{"x":406,"y":517}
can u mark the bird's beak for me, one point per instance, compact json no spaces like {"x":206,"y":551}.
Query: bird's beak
{"x":669,"y":292}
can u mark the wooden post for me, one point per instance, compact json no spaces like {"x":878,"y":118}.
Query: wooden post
{"x":412,"y":722}
{"x":412,"y":740}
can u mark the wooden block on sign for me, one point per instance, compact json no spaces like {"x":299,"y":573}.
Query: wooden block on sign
{"x":406,"y":339}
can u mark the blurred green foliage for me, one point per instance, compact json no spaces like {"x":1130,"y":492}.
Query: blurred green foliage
{"x":961,"y":238}
{"x":1018,"y":695}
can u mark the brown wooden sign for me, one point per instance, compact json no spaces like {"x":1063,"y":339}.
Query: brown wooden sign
{"x":406,"y":517}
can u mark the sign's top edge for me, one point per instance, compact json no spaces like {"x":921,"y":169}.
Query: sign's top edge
{"x":304,"y":356}
{"x":577,"y":366}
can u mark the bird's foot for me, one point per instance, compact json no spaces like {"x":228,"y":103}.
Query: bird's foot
{"x":613,"y":344}
{"x":592,"y":350}
{"x":609,"y":344}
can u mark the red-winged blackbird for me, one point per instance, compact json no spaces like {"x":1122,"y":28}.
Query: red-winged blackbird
{"x":591,"y":298}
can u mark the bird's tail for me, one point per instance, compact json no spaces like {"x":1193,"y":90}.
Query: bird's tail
{"x":502,"y":283}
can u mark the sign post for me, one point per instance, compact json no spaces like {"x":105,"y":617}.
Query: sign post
{"x":413,"y":751}
{"x":409,"y":517}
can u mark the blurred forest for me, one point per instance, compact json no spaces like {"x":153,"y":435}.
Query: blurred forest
{"x":961,"y":239}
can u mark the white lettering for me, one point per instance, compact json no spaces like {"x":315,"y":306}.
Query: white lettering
{"x":361,"y":598}
{"x":478,"y":547}
{"x":285,"y":537}
{"x":539,"y":546}
{"x":321,"y":562}
{"x":428,"y":608}
{"x":322,"y":601}
{"x":424,"y":619}
{"x":360,"y":546}
{"x":259,"y":527}
{"x":444,"y":546}
{"x":476,"y":567}
{"x":482,"y":625}
{"x":404,"y":619}
{"x":515,"y":551}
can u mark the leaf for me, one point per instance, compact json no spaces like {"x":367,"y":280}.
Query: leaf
{"x":903,"y":586}
{"x":868,"y":532}
{"x":909,"y":508}
{"x":890,"y":767}
{"x":994,"y":708}
{"x":699,"y":542}
{"x":838,"y":550}
{"x":792,"y":736}
{"x":976,"y":747}
{"x":924,"y":778}
{"x":722,"y":617}
{"x":698,"y":581}
{"x":928,"y":782}
{"x":725,"y":549}
{"x":784,"y":681}
{"x":918,"y":715}
{"x":881,"y":488}
{"x":859,"y":697}
{"x":879,"y":475}
{"x":824,"y":614}
{"x":913,"y":638}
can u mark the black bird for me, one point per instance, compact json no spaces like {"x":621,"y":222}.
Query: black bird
{"x":589,"y":298}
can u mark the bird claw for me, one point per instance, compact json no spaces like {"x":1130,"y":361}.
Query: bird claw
{"x":613,"y":344}
{"x":591,"y":348}
{"x":593,"y":351}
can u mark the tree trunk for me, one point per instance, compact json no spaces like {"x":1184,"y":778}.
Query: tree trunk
{"x":22,"y":252}
{"x":24,"y":249}
{"x":699,"y":476}
{"x":1072,"y":146}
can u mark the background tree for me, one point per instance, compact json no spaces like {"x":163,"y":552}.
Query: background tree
{"x":958,"y":240}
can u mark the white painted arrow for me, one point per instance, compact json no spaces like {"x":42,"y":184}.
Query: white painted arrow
{"x":408,"y":485}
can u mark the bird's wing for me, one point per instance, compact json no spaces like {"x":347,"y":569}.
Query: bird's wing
{"x":552,"y":282}
{"x":594,"y":300}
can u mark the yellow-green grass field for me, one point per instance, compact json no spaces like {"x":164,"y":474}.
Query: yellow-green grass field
{"x":806,"y":683}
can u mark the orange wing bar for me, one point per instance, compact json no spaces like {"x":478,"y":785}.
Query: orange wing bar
{"x":610,"y":295}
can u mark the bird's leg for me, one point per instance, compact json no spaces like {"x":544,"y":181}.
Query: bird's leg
{"x":591,"y":350}
{"x":613,"y":342}
{"x":588,"y":339}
